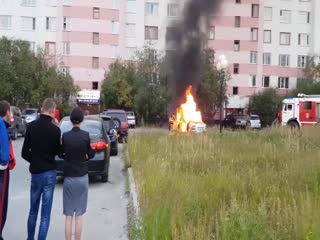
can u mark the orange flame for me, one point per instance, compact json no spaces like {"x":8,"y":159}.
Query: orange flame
{"x":187,"y":113}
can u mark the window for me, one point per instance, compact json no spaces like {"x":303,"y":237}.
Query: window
{"x":285,"y":16}
{"x":28,"y":23}
{"x":254,"y":34}
{"x":304,"y":17}
{"x":66,"y":71}
{"x":253,"y":57}
{"x":115,"y":51}
{"x":267,"y":36}
{"x":32,"y":46}
{"x":268,"y":13}
{"x":28,"y":3}
{"x":236,"y":68}
{"x":130,"y":30}
{"x":66,"y":23}
{"x":283,"y":82}
{"x":115,"y":4}
{"x":50,"y":48}
{"x":95,"y":85}
{"x":267,"y":58}
{"x":95,"y":62}
{"x":152,"y":9}
{"x":235,"y":90}
{"x":5,"y":22}
{"x":303,"y":39}
{"x":303,"y":61}
{"x":285,"y":38}
{"x":131,"y":6}
{"x":96,"y":13}
{"x":95,"y":38}
{"x":51,"y":23}
{"x":253,"y":80}
{"x":66,"y":48}
{"x":173,"y":9}
{"x":236,"y":45}
{"x":307,"y":105}
{"x":255,"y":10}
{"x":114,"y":27}
{"x":51,"y":3}
{"x":284,"y":60}
{"x":131,"y":51}
{"x":151,"y":33}
{"x":237,"y":21}
{"x":171,"y":34}
{"x":211,"y":32}
{"x":265,"y":81}
{"x":238,"y":1}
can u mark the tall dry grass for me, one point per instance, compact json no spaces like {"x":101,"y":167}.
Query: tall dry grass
{"x":239,"y":185}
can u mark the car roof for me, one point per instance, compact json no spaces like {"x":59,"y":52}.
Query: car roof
{"x":114,"y":111}
{"x":90,"y":117}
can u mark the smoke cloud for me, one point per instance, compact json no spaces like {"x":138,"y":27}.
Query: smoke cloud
{"x":188,"y":38}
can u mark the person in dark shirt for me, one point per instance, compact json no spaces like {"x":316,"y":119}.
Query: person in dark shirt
{"x":76,"y":151}
{"x":41,"y":145}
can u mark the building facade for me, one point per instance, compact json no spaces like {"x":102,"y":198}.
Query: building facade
{"x":267,"y":42}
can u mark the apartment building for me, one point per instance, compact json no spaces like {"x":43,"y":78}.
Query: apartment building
{"x":267,"y":42}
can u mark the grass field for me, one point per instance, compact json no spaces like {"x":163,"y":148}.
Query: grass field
{"x":241,"y":185}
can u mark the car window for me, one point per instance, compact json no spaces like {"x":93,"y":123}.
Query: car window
{"x":121,"y":116}
{"x":30,"y":111}
{"x":130,"y":114}
{"x":240,"y":117}
{"x":254,"y":118}
{"x":108,"y":124}
{"x":91,"y":126}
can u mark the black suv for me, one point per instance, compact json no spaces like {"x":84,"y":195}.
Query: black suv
{"x":18,"y":124}
{"x":99,"y":165}
{"x":110,"y":128}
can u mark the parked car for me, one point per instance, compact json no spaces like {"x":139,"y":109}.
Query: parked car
{"x":112,"y":133}
{"x":100,"y":142}
{"x":255,"y":122}
{"x":236,"y":121}
{"x":196,"y":127}
{"x":30,"y":114}
{"x":120,"y":121}
{"x":131,"y":119}
{"x":18,"y":124}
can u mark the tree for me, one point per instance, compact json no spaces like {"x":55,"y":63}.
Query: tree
{"x":117,"y":88}
{"x":211,"y":91}
{"x":27,"y":78}
{"x":266,"y":104}
{"x":141,"y":84}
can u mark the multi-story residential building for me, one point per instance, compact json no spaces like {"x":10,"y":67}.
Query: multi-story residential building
{"x":267,"y":42}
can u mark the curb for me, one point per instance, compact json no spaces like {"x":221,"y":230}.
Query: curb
{"x":135,"y":208}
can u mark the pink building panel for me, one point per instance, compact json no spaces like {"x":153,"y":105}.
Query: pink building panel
{"x":86,"y":74}
{"x":282,"y":71}
{"x":229,"y":21}
{"x":80,"y":49}
{"x":87,"y":37}
{"x":86,"y":62}
{"x":86,"y":12}
{"x":83,"y":84}
{"x":229,"y":33}
{"x":91,"y":25}
{"x":228,"y":45}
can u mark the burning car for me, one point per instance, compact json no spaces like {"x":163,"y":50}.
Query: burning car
{"x":187,"y":118}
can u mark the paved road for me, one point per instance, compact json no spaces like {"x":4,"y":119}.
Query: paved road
{"x":107,"y":206}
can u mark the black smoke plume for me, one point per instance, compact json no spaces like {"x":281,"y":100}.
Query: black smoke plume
{"x":189,"y":39}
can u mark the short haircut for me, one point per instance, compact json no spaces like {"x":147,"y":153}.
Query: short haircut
{"x":4,"y":108}
{"x":49,"y":105}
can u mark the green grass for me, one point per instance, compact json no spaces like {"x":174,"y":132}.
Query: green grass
{"x":238,"y":186}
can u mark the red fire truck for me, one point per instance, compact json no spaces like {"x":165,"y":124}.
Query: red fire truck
{"x":303,"y":110}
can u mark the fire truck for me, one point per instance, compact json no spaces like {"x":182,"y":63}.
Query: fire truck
{"x":300,"y":111}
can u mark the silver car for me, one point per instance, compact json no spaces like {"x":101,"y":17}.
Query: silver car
{"x":255,"y":122}
{"x":131,"y":119}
